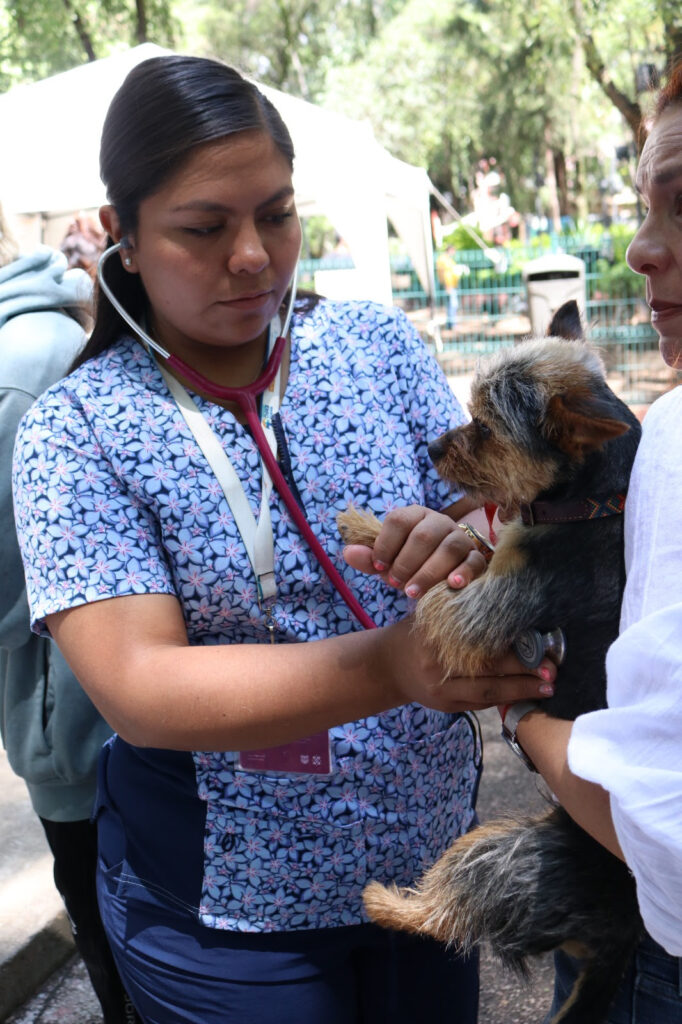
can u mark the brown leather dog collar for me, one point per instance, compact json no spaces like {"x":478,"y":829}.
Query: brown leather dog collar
{"x":535,"y":513}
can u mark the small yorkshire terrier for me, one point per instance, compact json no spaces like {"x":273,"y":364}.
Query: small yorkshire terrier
{"x":552,"y":446}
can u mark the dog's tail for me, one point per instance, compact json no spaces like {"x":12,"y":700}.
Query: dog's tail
{"x":527,"y":887}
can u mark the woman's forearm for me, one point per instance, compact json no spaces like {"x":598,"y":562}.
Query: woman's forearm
{"x":545,"y":740}
{"x":240,"y":697}
{"x":132,"y":657}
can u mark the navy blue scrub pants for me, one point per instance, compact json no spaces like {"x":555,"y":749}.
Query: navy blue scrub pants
{"x":176,"y":970}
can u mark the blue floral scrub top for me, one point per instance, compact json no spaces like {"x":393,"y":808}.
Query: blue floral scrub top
{"x":114,"y":498}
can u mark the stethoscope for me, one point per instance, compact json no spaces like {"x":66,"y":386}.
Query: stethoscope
{"x":246,"y":398}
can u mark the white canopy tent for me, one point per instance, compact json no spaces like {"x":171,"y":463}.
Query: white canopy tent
{"x":51,"y":130}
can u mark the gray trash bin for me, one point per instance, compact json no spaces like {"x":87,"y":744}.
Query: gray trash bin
{"x":550,"y":281}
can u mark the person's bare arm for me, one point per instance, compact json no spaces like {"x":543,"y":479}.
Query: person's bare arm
{"x":132,"y":657}
{"x":545,"y":740}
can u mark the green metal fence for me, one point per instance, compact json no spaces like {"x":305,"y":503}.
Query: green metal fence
{"x":493,"y":313}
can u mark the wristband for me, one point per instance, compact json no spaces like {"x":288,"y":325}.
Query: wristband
{"x":511,"y":715}
{"x":480,"y":543}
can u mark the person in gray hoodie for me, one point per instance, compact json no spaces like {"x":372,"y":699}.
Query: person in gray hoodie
{"x":50,"y":729}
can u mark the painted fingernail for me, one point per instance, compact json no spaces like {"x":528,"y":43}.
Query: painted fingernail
{"x":413,"y":590}
{"x":380,"y":566}
{"x":546,"y":673}
{"x":394,"y":582}
{"x":457,"y":581}
{"x":547,"y":690}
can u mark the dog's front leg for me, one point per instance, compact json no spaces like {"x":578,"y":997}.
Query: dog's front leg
{"x":467,"y":629}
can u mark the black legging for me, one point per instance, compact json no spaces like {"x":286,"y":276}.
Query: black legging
{"x":74,"y":848}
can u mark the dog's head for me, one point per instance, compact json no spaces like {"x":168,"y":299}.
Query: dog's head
{"x":537,"y":411}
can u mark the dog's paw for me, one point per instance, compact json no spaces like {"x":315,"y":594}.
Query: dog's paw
{"x":358,"y":527}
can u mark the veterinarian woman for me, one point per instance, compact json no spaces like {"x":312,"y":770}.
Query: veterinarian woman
{"x":619,"y":771}
{"x":239,"y":817}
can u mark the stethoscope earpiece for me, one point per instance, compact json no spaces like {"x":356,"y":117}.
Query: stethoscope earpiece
{"x":126,"y":244}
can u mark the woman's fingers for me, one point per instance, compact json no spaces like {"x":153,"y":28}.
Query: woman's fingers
{"x":417,"y":548}
{"x":512,"y":683}
{"x":359,"y":557}
{"x":418,"y":677}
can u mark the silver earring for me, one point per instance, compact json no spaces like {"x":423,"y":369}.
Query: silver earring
{"x":128,"y":260}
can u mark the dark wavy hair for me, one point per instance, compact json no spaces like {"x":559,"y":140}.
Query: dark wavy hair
{"x":165,"y":108}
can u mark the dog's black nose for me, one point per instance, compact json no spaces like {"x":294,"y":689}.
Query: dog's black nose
{"x":437,"y":449}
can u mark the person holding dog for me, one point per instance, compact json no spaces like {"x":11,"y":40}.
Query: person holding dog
{"x":270,"y":755}
{"x":618,"y":772}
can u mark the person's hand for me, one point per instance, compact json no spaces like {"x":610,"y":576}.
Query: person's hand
{"x":416,"y":676}
{"x":416,"y":548}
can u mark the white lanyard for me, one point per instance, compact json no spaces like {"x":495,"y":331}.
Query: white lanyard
{"x":257,"y":537}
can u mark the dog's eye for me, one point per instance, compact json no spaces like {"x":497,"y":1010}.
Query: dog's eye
{"x":482,"y":429}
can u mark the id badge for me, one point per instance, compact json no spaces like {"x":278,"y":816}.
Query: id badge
{"x":308,"y":756}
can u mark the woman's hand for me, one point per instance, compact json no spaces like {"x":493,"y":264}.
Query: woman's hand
{"x":416,"y":676}
{"x":416,"y":548}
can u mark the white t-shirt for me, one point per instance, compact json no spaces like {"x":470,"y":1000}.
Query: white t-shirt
{"x":634,"y":748}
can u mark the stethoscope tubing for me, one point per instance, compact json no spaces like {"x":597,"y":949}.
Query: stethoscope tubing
{"x":245,"y":397}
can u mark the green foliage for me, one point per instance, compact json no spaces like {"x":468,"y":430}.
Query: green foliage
{"x":40,"y":38}
{"x":414,"y":85}
{"x":289,"y":44}
{"x":616,"y":280}
{"x":443,"y":84}
{"x":319,"y":237}
{"x":461,"y":237}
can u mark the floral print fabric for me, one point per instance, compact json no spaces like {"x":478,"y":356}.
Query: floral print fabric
{"x":114,"y":498}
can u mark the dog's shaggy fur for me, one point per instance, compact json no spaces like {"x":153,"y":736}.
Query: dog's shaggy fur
{"x":545,"y":426}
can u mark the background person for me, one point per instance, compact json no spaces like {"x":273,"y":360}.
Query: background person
{"x":50,"y":728}
{"x":618,"y":772}
{"x":449,"y":274}
{"x":231,"y":890}
{"x":83,"y":243}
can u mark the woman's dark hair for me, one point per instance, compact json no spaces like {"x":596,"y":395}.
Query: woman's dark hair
{"x":166,"y":107}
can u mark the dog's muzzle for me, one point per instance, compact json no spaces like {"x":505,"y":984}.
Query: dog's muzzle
{"x":438,"y":448}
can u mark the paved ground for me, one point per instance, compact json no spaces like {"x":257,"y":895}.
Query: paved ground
{"x":506,"y":786}
{"x":64,"y":996}
{"x":34,"y":933}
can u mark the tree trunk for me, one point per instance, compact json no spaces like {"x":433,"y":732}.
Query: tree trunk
{"x":81,"y":30}
{"x":561,"y":181}
{"x":141,"y":24}
{"x":551,"y":184}
{"x":579,"y":197}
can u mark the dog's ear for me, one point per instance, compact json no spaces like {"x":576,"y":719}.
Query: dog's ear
{"x":566,"y":323}
{"x":579,"y":422}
